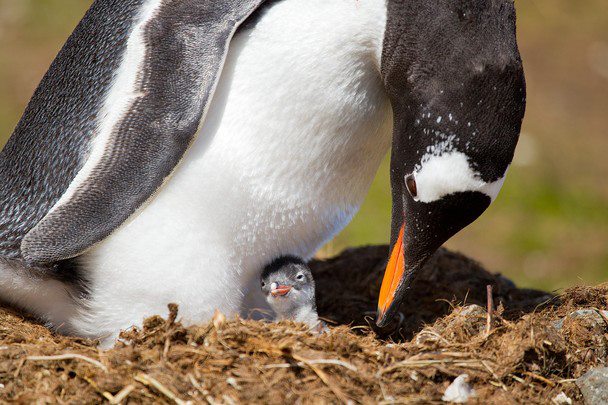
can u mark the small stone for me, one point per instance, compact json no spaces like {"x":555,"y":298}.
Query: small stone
{"x":472,"y":310}
{"x":594,"y":386}
{"x":472,"y":318}
{"x":590,"y":314}
{"x":459,"y":391}
{"x":562,"y":399}
{"x":586,"y":327}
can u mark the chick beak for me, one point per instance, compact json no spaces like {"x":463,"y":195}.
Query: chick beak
{"x":280,"y":290}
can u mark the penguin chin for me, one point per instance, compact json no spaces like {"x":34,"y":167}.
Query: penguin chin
{"x":288,"y":304}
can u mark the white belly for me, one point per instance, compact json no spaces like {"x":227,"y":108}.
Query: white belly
{"x":292,"y":141}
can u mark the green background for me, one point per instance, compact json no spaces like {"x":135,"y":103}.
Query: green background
{"x":548,"y":228}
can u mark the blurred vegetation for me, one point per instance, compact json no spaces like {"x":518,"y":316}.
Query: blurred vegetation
{"x":549,"y":227}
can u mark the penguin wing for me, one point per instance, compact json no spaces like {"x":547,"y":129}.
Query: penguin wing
{"x":155,"y":92}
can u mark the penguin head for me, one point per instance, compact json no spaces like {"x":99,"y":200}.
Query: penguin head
{"x":455,"y":78}
{"x":289,"y":287}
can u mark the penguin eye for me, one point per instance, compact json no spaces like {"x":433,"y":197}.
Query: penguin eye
{"x":263,"y":284}
{"x":300,"y":277}
{"x":412,"y":187}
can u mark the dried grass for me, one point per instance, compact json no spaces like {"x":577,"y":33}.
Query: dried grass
{"x":523,"y":358}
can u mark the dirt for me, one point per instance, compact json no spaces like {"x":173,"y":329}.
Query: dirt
{"x":531,"y":351}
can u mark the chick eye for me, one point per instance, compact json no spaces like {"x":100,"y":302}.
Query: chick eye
{"x":263,"y":284}
{"x":300,"y":277}
{"x":411,"y":185}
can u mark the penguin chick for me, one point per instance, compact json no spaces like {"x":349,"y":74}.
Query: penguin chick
{"x":289,"y":288}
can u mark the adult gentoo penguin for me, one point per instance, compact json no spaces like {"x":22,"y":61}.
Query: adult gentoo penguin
{"x":177,"y":146}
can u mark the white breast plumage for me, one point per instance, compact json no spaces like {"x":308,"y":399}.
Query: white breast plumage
{"x":293,"y":138}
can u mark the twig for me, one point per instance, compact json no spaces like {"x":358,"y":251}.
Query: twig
{"x":19,"y":367}
{"x":166,"y":348}
{"x":456,"y":354}
{"x":94,"y":385}
{"x":123,"y":394}
{"x":518,"y":379}
{"x":502,"y":385}
{"x":68,"y":356}
{"x":490,"y":310}
{"x":466,"y":296}
{"x":318,"y":361}
{"x":200,"y":389}
{"x":102,"y":356}
{"x":151,"y":382}
{"x":433,"y":333}
{"x":450,"y":303}
{"x":228,"y":400}
{"x":540,"y":378}
{"x":173,"y":311}
{"x":464,"y":363}
{"x":197,"y":385}
{"x":334,"y":362}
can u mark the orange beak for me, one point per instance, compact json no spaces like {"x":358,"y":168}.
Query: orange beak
{"x":392,"y":277}
{"x":280,"y":291}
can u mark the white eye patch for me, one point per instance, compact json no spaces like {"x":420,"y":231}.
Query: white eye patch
{"x":451,"y":173}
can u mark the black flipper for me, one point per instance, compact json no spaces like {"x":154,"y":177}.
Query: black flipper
{"x":186,"y":43}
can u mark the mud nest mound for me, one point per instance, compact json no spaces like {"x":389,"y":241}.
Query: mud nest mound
{"x":534,"y":348}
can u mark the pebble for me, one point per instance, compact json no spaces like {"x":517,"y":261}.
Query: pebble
{"x":459,"y":391}
{"x":594,"y":386}
{"x":562,"y":399}
{"x":590,"y":314}
{"x":472,"y":310}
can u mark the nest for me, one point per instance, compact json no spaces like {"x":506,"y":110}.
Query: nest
{"x":528,"y":349}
